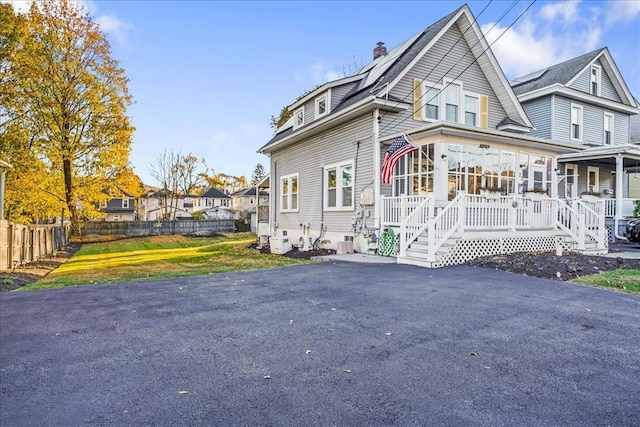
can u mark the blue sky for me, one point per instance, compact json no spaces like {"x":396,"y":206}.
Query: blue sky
{"x":207,"y":76}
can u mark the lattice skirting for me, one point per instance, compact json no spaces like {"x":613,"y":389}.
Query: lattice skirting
{"x":465,"y":250}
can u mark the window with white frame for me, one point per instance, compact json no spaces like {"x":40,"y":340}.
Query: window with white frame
{"x":338,"y":183}
{"x":471,"y":110}
{"x":413,"y":174}
{"x":576,"y":122}
{"x":594,"y":89}
{"x":608,"y":128}
{"x":298,"y":118}
{"x":449,"y":101}
{"x":452,"y":104}
{"x":289,"y":193}
{"x":125,"y":203}
{"x":432,"y":103}
{"x":593,"y":178}
{"x":103,"y":203}
{"x":321,"y":106}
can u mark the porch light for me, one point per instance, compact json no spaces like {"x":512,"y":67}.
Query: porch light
{"x":444,"y":156}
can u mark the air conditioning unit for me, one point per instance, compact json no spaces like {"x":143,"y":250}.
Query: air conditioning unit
{"x":305,"y":242}
{"x":279,"y":245}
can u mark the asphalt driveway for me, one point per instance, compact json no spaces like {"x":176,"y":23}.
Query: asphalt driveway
{"x":322,"y":344}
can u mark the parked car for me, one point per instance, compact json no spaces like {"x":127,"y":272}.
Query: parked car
{"x":633,"y":230}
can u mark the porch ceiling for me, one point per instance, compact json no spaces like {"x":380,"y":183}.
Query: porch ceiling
{"x":605,"y":155}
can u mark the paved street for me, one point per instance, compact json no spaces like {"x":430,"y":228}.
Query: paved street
{"x":330,"y":343}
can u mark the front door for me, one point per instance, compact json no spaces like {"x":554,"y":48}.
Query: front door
{"x":537,"y":177}
{"x":571,"y":181}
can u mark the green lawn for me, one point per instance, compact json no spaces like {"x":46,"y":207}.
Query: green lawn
{"x":159,"y":257}
{"x":624,"y":280}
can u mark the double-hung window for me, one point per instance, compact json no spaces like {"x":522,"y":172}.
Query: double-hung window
{"x":125,"y":203}
{"x":470,"y":110}
{"x":338,"y":186}
{"x":432,"y":103}
{"x":289,"y":193}
{"x":595,"y":80}
{"x":576,"y":122}
{"x":608,"y":128}
{"x":452,"y":102}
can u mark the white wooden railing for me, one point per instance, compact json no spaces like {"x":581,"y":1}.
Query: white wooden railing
{"x":582,"y":220}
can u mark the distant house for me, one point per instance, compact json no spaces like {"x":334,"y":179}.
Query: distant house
{"x":245,"y":201}
{"x":120,"y":209}
{"x":210,"y":199}
{"x":156,"y":204}
{"x":4,"y":166}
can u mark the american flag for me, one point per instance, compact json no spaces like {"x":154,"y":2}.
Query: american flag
{"x":396,"y":150}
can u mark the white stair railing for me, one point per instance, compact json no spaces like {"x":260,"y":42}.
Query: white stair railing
{"x":583,"y":222}
{"x":415,"y":221}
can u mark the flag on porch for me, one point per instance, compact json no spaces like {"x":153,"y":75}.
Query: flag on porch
{"x":396,"y":150}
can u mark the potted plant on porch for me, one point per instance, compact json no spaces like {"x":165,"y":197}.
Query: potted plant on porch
{"x":590,"y":195}
{"x":491,"y":192}
{"x":535,"y":193}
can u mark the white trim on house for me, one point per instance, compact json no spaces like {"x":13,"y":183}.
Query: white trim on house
{"x":326,"y":97}
{"x":595,"y":185}
{"x":579,"y":96}
{"x":298,"y":118}
{"x":324,"y":87}
{"x":598,"y":79}
{"x":629,"y":151}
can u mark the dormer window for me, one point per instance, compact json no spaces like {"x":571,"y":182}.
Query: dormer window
{"x":595,"y":80}
{"x":298,"y":119}
{"x":125,"y":203}
{"x":321,"y":106}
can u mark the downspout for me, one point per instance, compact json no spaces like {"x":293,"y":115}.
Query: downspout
{"x":619,"y":183}
{"x":273,"y":198}
{"x":376,"y":167}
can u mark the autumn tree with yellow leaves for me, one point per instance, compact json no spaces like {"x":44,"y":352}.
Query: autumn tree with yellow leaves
{"x":63,"y":113}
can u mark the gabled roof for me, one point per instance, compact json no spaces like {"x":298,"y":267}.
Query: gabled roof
{"x":214,"y":193}
{"x":560,"y":73}
{"x":564,"y":74}
{"x":251,"y":191}
{"x":376,"y":78}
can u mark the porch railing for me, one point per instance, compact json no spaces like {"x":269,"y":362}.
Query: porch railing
{"x":582,"y":220}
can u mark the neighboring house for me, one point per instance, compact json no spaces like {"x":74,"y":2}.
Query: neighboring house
{"x":586,"y":101}
{"x":210,"y":199}
{"x":443,"y":94}
{"x":245,"y":201}
{"x":4,"y":166}
{"x":155,"y":205}
{"x":119,"y":209}
{"x":218,"y":212}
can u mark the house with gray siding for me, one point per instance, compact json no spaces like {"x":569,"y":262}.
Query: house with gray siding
{"x":424,"y":154}
{"x":586,"y":100}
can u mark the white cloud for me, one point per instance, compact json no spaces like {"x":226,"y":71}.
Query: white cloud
{"x":116,"y":27}
{"x":565,"y":10}
{"x":556,"y":32}
{"x":20,"y":6}
{"x":621,"y":11}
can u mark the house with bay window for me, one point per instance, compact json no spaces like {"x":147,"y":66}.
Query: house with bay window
{"x":465,"y":173}
{"x":587,"y":101}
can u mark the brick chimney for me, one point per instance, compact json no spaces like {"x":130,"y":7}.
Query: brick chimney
{"x":379,"y":50}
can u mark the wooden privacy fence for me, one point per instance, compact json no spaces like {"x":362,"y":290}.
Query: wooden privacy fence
{"x":157,"y":228}
{"x":20,"y":243}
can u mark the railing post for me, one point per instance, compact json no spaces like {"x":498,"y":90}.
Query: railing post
{"x":602,"y":236}
{"x":581,"y":231}
{"x":462,"y":212}
{"x":513,"y":217}
{"x":403,"y":236}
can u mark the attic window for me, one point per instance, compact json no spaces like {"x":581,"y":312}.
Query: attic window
{"x":321,"y":106}
{"x":596,"y":72}
{"x":299,"y":118}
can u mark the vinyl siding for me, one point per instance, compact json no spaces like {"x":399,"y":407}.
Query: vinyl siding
{"x":604,"y":182}
{"x":452,"y":65}
{"x":583,"y":83}
{"x":307,"y":159}
{"x":621,"y":128}
{"x":539,"y":112}
{"x":339,"y":92}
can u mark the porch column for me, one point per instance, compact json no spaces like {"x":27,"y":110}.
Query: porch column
{"x":440,"y":171}
{"x":619,"y":184}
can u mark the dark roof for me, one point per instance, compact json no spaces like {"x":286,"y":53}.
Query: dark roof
{"x":560,"y":73}
{"x":214,"y":193}
{"x":359,"y":93}
{"x":251,"y":191}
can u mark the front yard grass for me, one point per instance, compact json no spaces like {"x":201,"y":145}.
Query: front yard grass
{"x":160,"y":257}
{"x":624,"y":280}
